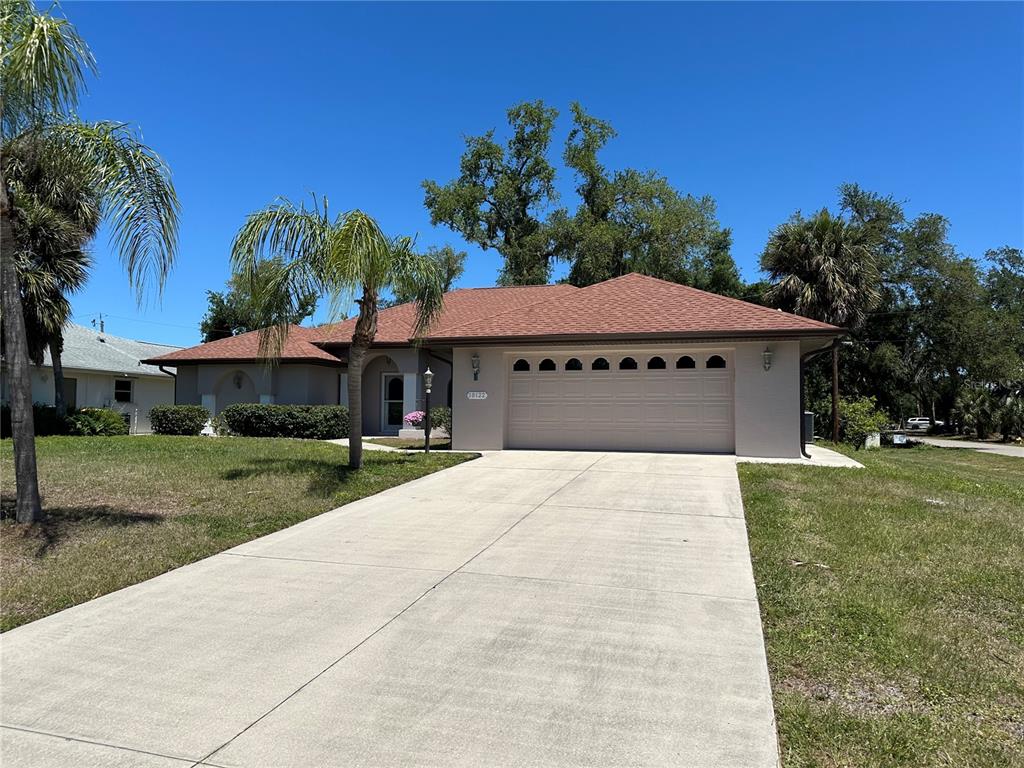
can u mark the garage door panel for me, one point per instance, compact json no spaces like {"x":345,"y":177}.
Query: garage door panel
{"x":645,"y":410}
{"x":717,"y":386}
{"x":718,"y":415}
{"x":688,"y":384}
{"x":520,"y":387}
{"x":574,"y":389}
{"x":549,"y":388}
{"x":659,"y":386}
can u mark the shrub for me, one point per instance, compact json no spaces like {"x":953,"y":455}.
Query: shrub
{"x":101,"y":422}
{"x":441,"y":416}
{"x":45,"y":418}
{"x":178,"y":419}
{"x":314,"y":422}
{"x":859,"y":418}
{"x":977,"y":410}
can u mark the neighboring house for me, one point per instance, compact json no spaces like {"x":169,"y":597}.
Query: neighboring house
{"x":633,"y":363}
{"x":105,"y":371}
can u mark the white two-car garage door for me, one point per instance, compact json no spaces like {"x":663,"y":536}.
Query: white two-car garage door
{"x":627,"y":402}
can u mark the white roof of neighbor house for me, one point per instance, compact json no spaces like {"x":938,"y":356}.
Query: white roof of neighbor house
{"x":88,"y":349}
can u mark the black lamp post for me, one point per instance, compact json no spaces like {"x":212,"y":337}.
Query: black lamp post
{"x":428,"y":379}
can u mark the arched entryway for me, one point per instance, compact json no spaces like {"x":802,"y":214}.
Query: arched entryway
{"x":235,"y":387}
{"x":383,"y":396}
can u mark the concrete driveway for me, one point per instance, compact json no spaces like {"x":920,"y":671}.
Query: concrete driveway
{"x":526,"y":608}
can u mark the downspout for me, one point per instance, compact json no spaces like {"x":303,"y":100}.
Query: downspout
{"x":804,"y":358}
{"x":173,"y":376}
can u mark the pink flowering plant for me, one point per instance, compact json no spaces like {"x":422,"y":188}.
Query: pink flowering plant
{"x":415,"y":419}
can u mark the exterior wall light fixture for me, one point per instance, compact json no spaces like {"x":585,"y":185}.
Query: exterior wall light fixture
{"x":766,"y":358}
{"x":475,"y":360}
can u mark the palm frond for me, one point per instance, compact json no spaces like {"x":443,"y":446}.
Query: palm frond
{"x":43,"y":63}
{"x":361,"y":252}
{"x":279,"y":253}
{"x":137,"y":194}
{"x":419,"y":276}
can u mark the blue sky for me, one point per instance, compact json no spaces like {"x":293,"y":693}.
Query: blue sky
{"x":765,"y":107}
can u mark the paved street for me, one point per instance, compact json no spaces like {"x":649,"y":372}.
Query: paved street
{"x":1001,"y":449}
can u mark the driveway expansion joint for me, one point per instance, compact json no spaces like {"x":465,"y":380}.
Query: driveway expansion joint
{"x":97,"y":743}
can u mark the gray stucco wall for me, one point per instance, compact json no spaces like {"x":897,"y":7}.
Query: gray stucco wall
{"x":479,"y":425}
{"x":287,"y":384}
{"x":767,"y":403}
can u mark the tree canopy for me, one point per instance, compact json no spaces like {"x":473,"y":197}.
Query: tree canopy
{"x":944,"y":323}
{"x":235,"y":310}
{"x":450,"y":266}
{"x":500,"y":195}
{"x":627,"y":220}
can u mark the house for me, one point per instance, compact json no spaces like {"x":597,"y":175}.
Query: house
{"x":633,"y":363}
{"x":105,"y":371}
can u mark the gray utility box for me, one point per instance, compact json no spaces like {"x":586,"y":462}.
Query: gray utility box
{"x":809,"y":426}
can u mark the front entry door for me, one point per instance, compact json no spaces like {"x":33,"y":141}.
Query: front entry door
{"x":392,"y":401}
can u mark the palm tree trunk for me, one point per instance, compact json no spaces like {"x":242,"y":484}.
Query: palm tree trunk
{"x":362,"y":338}
{"x":58,"y":378}
{"x":355,"y":405}
{"x":835,"y":393}
{"x":28,"y":508}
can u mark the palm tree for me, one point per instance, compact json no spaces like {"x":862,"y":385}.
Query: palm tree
{"x":57,"y":214}
{"x":42,"y":65}
{"x":342,"y":257}
{"x":822,"y":268}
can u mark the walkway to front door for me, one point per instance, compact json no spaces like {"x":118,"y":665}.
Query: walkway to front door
{"x":526,"y":608}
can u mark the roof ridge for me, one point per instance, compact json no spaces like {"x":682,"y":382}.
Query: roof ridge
{"x":508,"y":287}
{"x":96,"y":333}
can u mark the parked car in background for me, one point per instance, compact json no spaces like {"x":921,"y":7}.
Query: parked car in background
{"x":922,"y":423}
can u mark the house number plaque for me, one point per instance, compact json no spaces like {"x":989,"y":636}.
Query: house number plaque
{"x":476,"y":395}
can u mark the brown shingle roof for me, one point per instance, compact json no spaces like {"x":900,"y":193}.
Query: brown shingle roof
{"x":462,"y":306}
{"x":633,"y":306}
{"x":246,"y":347}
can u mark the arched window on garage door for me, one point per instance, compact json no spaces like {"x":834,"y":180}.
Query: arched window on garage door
{"x":715,"y":361}
{"x":521,"y":365}
{"x":547,"y":364}
{"x":573,"y":364}
{"x":685,"y":362}
{"x":656,"y":364}
{"x":599,"y":364}
{"x":627,"y":364}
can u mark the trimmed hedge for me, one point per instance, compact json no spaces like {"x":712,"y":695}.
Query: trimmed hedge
{"x":101,"y":422}
{"x":178,"y":419}
{"x":314,"y":422}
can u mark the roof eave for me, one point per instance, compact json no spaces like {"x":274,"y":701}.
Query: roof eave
{"x":771,"y":333}
{"x":241,"y":360}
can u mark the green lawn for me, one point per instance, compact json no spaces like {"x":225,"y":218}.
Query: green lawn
{"x":893,"y":607}
{"x":124,"y":509}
